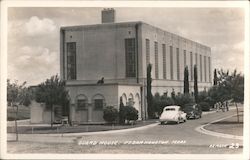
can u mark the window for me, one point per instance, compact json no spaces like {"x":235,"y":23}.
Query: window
{"x":147,"y":52}
{"x":185,"y":58}
{"x":130,"y":57}
{"x":205,"y":68}
{"x":191,"y":66}
{"x":82,"y":104}
{"x":156,"y":61}
{"x":71,"y":60}
{"x":164,"y":61}
{"x":201,"y":68}
{"x":178,"y":63}
{"x":171,"y":63}
{"x":209,"y":69}
{"x":196,"y":59}
{"x":98,"y":104}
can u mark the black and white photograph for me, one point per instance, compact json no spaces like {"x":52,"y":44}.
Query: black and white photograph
{"x":124,"y":80}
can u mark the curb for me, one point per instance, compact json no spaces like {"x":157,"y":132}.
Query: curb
{"x":96,"y":133}
{"x":201,"y":129}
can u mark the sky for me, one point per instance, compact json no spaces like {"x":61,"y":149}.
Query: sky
{"x":33,"y":34}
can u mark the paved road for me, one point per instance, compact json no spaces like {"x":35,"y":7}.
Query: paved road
{"x":177,"y":138}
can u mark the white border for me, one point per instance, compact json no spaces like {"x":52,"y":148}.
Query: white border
{"x":190,"y":4}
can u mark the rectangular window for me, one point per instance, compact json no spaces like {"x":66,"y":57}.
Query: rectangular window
{"x":191,"y":66}
{"x":196,"y":59}
{"x":71,"y":60}
{"x":147,"y":52}
{"x":185,"y":59}
{"x":130,"y":57}
{"x":209,"y":68}
{"x":178,"y":63}
{"x":164,"y":61}
{"x":171,"y":63}
{"x":156,"y":61}
{"x":201,"y":68}
{"x":205,"y":68}
{"x":98,"y":104}
{"x":82,"y":104}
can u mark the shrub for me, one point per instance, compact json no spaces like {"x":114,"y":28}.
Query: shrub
{"x":204,"y":106}
{"x":122,"y":114}
{"x":131,"y":113}
{"x":183,"y":99}
{"x":110,"y":114}
{"x":163,"y":102}
{"x":128,"y":113}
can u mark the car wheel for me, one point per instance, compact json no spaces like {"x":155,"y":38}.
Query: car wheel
{"x":162,"y":123}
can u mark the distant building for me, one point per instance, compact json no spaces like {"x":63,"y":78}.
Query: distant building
{"x":120,"y":52}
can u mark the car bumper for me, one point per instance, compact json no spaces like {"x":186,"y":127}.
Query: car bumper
{"x":168,"y":120}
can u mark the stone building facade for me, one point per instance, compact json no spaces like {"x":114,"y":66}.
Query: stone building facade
{"x":120,"y":53}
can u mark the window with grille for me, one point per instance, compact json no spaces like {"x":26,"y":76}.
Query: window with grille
{"x":98,"y":104}
{"x":71,"y":60}
{"x":171,"y":63}
{"x":201,"y":68}
{"x":185,"y":58}
{"x":82,"y":104}
{"x":164,"y":61}
{"x":205,"y":68}
{"x":156,"y":61}
{"x":130,"y":57}
{"x":196,"y":59}
{"x":191,"y":66}
{"x":147,"y":51}
{"x":178,"y":63}
{"x":209,"y":69}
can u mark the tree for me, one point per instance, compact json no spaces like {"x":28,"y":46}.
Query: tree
{"x":52,"y":92}
{"x":215,"y":77}
{"x":149,"y":92}
{"x":186,"y":82}
{"x":195,"y":84}
{"x":121,"y":112}
{"x":229,"y":87}
{"x":17,"y":95}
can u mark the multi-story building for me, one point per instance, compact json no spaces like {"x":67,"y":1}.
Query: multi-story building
{"x":120,"y":53}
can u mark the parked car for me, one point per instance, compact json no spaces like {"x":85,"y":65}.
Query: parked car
{"x":172,"y":114}
{"x":193,"y":111}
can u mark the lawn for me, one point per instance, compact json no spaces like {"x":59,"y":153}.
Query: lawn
{"x":75,"y":129}
{"x":228,"y":126}
{"x":23,"y":113}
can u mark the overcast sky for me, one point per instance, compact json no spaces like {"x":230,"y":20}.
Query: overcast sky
{"x":33,"y":34}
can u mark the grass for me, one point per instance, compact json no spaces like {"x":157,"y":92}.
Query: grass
{"x":74,"y":129}
{"x":23,"y":113}
{"x":228,"y":126}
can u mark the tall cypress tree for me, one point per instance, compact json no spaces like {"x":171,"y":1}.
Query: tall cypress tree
{"x":186,"y":82}
{"x":149,"y":93}
{"x":215,"y":77}
{"x":195,"y":84}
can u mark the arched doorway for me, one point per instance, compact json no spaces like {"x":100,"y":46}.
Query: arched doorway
{"x":81,"y":108}
{"x":124,"y":99}
{"x":97,"y":106}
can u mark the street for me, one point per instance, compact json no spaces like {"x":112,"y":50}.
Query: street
{"x":171,"y":138}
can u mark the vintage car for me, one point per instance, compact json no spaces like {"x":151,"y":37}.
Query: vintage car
{"x":172,"y":114}
{"x":193,"y":111}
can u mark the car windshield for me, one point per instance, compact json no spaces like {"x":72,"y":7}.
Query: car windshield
{"x":170,"y":109}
